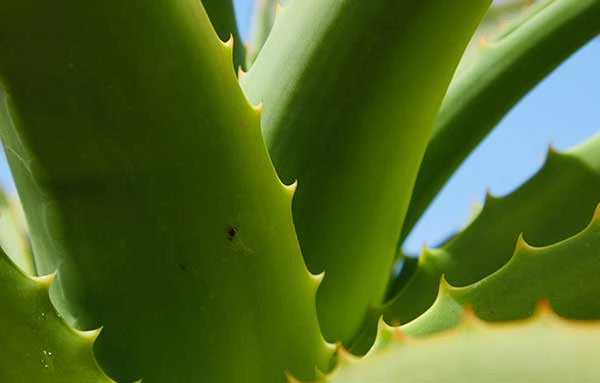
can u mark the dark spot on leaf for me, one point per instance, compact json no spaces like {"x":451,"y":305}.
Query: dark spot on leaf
{"x":181,"y":267}
{"x":231,"y":233}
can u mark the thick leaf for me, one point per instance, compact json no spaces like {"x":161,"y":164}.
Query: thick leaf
{"x":343,"y":82}
{"x":550,"y":207}
{"x":36,"y":344}
{"x":566,"y":274}
{"x":222,"y":16}
{"x":262,"y":22}
{"x":544,"y":348}
{"x":505,"y":69}
{"x":145,"y":180}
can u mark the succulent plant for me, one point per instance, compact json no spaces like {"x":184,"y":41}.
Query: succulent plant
{"x":190,"y":222}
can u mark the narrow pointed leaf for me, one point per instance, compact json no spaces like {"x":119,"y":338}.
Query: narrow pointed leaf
{"x":564,"y":273}
{"x":339,"y":94}
{"x":550,"y":207}
{"x":507,"y":67}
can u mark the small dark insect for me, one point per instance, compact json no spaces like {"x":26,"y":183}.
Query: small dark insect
{"x":231,"y":233}
{"x":181,"y":267}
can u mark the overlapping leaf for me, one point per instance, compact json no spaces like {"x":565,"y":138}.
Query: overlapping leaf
{"x":36,"y":345}
{"x":146,"y":183}
{"x":550,"y":207}
{"x":343,"y":83}
{"x":544,"y":348}
{"x":507,"y":66}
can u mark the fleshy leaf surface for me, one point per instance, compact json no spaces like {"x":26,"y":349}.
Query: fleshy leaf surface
{"x":36,"y":345}
{"x":146,"y":183}
{"x":543,"y":348}
{"x":550,"y":207}
{"x":493,"y":80}
{"x":339,"y":95}
{"x":565,"y":274}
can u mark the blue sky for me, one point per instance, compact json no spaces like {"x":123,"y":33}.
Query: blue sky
{"x":563,"y":110}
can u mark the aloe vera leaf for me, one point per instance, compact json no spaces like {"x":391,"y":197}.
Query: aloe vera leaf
{"x":542,"y":348}
{"x":548,"y":208}
{"x":339,"y":95}
{"x":506,"y":68}
{"x":564,"y":273}
{"x":146,"y":182}
{"x":13,"y":238}
{"x":37,"y":345}
{"x":222,"y":16}
{"x":499,"y":18}
{"x":262,"y":22}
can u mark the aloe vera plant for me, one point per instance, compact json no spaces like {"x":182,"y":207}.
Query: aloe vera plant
{"x":191,"y":222}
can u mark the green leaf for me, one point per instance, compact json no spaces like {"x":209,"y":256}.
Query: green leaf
{"x":146,"y":182}
{"x":222,"y":16}
{"x":544,"y":348}
{"x":505,"y":69}
{"x":566,"y":274}
{"x":339,"y":95}
{"x":265,"y":12}
{"x":37,"y":345}
{"x":548,"y":208}
{"x":13,"y":237}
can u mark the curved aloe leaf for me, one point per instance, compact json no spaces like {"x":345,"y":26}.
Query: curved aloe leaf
{"x":222,"y":16}
{"x":339,"y":94}
{"x":507,"y":67}
{"x":544,"y":348}
{"x":564,"y":273}
{"x":550,"y":207}
{"x":262,"y":22}
{"x":36,"y":344}
{"x":146,"y":182}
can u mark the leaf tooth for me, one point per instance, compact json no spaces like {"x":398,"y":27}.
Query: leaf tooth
{"x":241,"y":73}
{"x":522,"y":247}
{"x":490,"y":198}
{"x":90,"y":335}
{"x":596,"y":216}
{"x":469,"y":318}
{"x":316,"y":278}
{"x":44,"y":281}
{"x":446,"y":287}
{"x":386,"y":334}
{"x":544,"y":309}
{"x":343,"y":356}
{"x":291,"y":189}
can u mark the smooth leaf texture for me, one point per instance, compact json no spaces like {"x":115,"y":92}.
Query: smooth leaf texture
{"x":566,"y":274}
{"x":36,"y":344}
{"x":146,"y":182}
{"x":550,"y":207}
{"x":541,"y":349}
{"x":263,"y":19}
{"x":506,"y":67}
{"x":348,"y":116}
